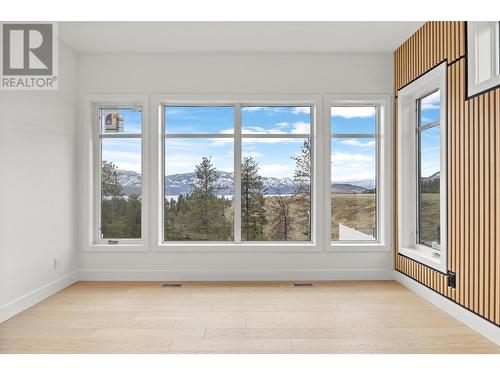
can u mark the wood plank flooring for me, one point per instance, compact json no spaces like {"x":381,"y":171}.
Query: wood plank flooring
{"x":252,"y":317}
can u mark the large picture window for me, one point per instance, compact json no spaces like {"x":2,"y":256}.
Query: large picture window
{"x":119,"y":179}
{"x":354,"y":155}
{"x":237,"y":173}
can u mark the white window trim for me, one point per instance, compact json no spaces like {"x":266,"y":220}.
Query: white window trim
{"x":152,"y":225}
{"x":90,"y":204}
{"x":384,"y":166}
{"x":473,"y":86}
{"x":407,"y":190}
{"x":156,"y":157}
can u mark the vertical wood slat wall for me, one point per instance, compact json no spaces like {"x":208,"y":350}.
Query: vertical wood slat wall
{"x":473,"y":172}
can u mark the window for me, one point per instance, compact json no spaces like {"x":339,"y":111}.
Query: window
{"x":276,"y":174}
{"x":236,"y":173}
{"x":353,"y":160}
{"x":199,"y":173}
{"x":483,"y":56}
{"x":428,"y":170}
{"x":119,"y":177}
{"x":422,"y":169}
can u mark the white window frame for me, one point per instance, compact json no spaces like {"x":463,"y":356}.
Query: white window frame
{"x":157,"y":104}
{"x":91,"y":167}
{"x":474,"y":87}
{"x":383,"y":176}
{"x":435,"y":79}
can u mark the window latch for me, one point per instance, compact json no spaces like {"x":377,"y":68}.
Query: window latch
{"x":112,"y":242}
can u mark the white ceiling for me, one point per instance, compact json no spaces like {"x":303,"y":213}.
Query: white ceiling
{"x":151,"y":37}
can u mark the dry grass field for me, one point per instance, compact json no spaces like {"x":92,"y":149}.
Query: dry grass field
{"x":357,"y":211}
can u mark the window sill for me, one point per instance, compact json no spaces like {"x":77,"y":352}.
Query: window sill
{"x":424,"y":256}
{"x":351,"y":247}
{"x":253,"y":247}
{"x":107,"y":248}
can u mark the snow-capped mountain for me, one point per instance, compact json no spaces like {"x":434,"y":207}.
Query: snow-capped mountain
{"x":181,"y":184}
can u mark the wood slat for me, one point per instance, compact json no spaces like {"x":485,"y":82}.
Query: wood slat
{"x":473,"y":171}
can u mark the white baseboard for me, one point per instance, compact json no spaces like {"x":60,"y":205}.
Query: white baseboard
{"x":233,"y":275}
{"x":478,"y":324}
{"x":24,"y":302}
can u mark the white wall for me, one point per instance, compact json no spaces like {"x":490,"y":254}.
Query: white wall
{"x":200,"y":74}
{"x":38,"y":187}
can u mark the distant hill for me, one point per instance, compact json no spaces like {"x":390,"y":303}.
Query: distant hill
{"x":431,"y":184}
{"x":347,"y":189}
{"x":177,"y":184}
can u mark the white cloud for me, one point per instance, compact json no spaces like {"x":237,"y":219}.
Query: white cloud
{"x":352,"y":112}
{"x":300,"y":128}
{"x":283,"y":124}
{"x":298,"y":110}
{"x":130,"y":161}
{"x":252,"y":154}
{"x":251,"y":109}
{"x":432,"y":101}
{"x":345,"y":156}
{"x":261,"y":130}
{"x":355,"y":142}
{"x":276,"y":170}
{"x":352,"y":166}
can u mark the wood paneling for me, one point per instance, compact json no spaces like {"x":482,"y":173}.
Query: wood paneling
{"x":473,"y":172}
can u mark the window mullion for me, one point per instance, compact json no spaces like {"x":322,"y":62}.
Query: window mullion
{"x":237,"y":174}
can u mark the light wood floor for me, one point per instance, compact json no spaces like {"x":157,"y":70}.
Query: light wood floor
{"x":331,"y":317}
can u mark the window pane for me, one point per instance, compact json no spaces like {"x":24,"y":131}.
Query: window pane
{"x":485,"y":32}
{"x":199,"y":120}
{"x":275,"y":189}
{"x":121,"y":193}
{"x":198,"y":189}
{"x":127,"y":121}
{"x":353,"y":189}
{"x":276,"y":120}
{"x":430,"y":108}
{"x":429,"y":187}
{"x":353,"y":120}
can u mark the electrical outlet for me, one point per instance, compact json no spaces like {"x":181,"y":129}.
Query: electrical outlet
{"x":452,"y":279}
{"x":57,"y":262}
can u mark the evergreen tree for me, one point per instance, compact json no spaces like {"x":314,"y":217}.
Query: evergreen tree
{"x":302,"y":191}
{"x":120,"y":216}
{"x":281,"y":218}
{"x":253,"y":216}
{"x":200,"y":215}
{"x":110,"y":187}
{"x":204,"y":191}
{"x":206,"y":179}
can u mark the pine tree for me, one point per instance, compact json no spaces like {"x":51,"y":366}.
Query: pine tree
{"x":281,"y":218}
{"x":302,"y":191}
{"x":110,"y":186}
{"x":120,"y":215}
{"x":206,"y":179}
{"x":253,"y":216}
{"x":202,"y":215}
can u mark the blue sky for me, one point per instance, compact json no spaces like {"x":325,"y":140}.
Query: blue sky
{"x":125,"y":153}
{"x":351,"y":158}
{"x":430,"y":138}
{"x":273,"y":155}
